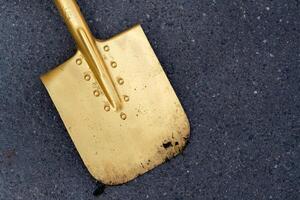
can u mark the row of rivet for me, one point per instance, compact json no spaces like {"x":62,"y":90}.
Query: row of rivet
{"x":120,"y":82}
{"x":87,"y":77}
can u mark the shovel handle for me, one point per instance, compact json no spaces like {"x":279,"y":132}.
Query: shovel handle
{"x":85,"y":41}
{"x":72,"y":16}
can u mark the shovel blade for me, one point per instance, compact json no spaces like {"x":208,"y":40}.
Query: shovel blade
{"x":151,"y":126}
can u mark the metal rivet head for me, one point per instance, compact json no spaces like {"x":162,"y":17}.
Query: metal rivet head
{"x":106,"y":48}
{"x":114,"y":64}
{"x":120,"y":81}
{"x":87,"y":77}
{"x":107,"y":108}
{"x":126,"y":98}
{"x":123,"y":116}
{"x":79,"y":61}
{"x":96,"y":93}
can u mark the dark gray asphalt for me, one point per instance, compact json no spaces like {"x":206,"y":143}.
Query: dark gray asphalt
{"x":234,"y":64}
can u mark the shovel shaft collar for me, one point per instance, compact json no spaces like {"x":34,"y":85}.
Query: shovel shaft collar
{"x":87,"y":46}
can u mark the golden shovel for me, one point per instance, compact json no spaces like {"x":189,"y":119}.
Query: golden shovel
{"x":116,"y":102}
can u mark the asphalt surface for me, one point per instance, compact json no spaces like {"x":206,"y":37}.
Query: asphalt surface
{"x":235,"y":66}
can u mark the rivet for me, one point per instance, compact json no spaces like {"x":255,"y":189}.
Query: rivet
{"x":114,"y":64}
{"x":123,"y":116}
{"x":106,"y":48}
{"x":79,"y":61}
{"x":126,"y":98}
{"x":87,"y":77}
{"x":120,"y":81}
{"x":107,"y":108}
{"x":97,"y":93}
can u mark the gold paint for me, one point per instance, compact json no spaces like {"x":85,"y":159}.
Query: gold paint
{"x":120,"y":81}
{"x":106,"y":48}
{"x":106,"y":108}
{"x":126,"y":98}
{"x":131,"y":147}
{"x":96,"y":93}
{"x":123,"y":116}
{"x":87,"y":77}
{"x":114,"y":64}
{"x":79,"y":61}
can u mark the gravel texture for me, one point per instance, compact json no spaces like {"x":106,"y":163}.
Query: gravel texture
{"x":235,"y":65}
